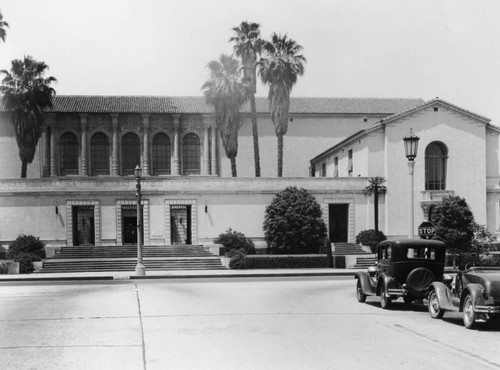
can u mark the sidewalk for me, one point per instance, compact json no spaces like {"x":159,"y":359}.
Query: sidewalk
{"x":181,"y":274}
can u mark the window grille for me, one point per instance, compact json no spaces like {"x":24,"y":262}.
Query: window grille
{"x":161,"y":155}
{"x":191,"y":155}
{"x":69,"y":154}
{"x":131,"y":156}
{"x":99,"y":151}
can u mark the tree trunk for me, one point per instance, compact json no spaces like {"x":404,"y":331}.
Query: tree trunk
{"x":233,"y":167}
{"x":255,"y":132}
{"x":280,"y":155}
{"x":375,"y":207}
{"x":24,"y":169}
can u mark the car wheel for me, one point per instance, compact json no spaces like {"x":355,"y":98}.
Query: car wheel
{"x":469,"y":314}
{"x":435,"y":309}
{"x":408,"y":300}
{"x":359,"y":293}
{"x":385,"y":301}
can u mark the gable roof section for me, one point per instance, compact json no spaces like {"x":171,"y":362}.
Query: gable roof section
{"x":197,"y":105}
{"x":397,"y":116}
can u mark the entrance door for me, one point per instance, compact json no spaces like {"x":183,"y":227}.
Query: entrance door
{"x":339,"y":225}
{"x":180,"y":224}
{"x":129,"y":224}
{"x":83,"y":225}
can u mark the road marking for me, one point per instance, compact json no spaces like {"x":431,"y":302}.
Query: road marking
{"x":461,"y":352}
{"x":137,"y":290}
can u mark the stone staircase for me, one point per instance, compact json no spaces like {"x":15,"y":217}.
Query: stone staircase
{"x":345,"y":249}
{"x":124,"y":258}
{"x":363,"y":262}
{"x":352,"y":250}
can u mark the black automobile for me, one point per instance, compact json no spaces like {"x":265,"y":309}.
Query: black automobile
{"x":404,"y":269}
{"x":475,"y":292}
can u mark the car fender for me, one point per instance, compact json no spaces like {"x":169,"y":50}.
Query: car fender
{"x":366,"y":286}
{"x":443,"y":294}
{"x":476,"y":292}
{"x":383,"y":281}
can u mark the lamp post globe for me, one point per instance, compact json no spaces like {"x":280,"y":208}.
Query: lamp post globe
{"x":411,"y":148}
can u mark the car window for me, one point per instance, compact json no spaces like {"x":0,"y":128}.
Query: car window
{"x":421,"y":253}
{"x":385,"y":253}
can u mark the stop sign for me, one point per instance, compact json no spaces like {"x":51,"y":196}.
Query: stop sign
{"x":426,"y":230}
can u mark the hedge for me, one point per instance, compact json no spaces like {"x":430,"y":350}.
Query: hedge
{"x":285,"y":261}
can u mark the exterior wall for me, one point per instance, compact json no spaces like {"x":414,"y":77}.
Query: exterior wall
{"x":10,"y":165}
{"x":30,"y":206}
{"x":466,"y":165}
{"x":307,"y":136}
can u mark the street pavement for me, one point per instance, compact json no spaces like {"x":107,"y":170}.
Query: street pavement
{"x":309,"y":322}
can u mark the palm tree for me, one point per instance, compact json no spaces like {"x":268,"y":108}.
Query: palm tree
{"x":280,"y":68}
{"x":375,"y":185}
{"x":226,"y":92}
{"x":26,"y":93}
{"x":248,"y":45}
{"x":3,"y":26}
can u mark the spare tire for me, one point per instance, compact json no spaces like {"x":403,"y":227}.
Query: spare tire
{"x":419,"y":282}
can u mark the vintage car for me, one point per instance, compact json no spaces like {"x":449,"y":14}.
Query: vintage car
{"x":405,"y":268}
{"x":475,"y":292}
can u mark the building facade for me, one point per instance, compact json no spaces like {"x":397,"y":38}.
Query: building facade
{"x":80,"y":188}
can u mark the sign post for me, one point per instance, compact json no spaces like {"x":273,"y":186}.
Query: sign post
{"x":426,"y":230}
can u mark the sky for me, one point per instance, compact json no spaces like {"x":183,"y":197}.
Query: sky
{"x":354,"y":48}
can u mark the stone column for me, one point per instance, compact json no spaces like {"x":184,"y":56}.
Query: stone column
{"x":214,"y":150}
{"x":50,"y":121}
{"x":175,"y":157}
{"x":145,"y":155}
{"x":205,"y":169}
{"x":83,"y":150}
{"x":45,"y":153}
{"x":114,"y":154}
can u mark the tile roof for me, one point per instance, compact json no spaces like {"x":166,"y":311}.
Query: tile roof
{"x":196,"y":104}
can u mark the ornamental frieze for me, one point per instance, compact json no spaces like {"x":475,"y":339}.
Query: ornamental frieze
{"x":95,"y":121}
{"x":67,"y":120}
{"x":160,"y":121}
{"x":191,"y":122}
{"x":130,"y":121}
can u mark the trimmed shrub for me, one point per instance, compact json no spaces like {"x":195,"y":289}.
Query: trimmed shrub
{"x":26,"y":262}
{"x":293,"y":223}
{"x":28,"y":244}
{"x":286,"y":262}
{"x":232,"y":239}
{"x":370,"y":238}
{"x":238,"y":259}
{"x":25,"y":250}
{"x":339,"y":262}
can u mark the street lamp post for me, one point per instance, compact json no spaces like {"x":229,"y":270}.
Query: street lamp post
{"x":411,"y":147}
{"x":140,"y":270}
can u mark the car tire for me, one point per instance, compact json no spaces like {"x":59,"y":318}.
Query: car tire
{"x":408,"y":300}
{"x":435,"y":309}
{"x":359,"y":293}
{"x":469,"y":315}
{"x":385,"y":301}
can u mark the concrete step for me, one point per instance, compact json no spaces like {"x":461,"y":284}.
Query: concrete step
{"x":365,"y":262}
{"x":124,"y":258}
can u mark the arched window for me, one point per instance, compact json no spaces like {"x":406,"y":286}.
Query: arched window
{"x":436,"y":155}
{"x":191,"y":155}
{"x":161,"y":155}
{"x":99,"y":151}
{"x":69,"y":154}
{"x":131,"y":153}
